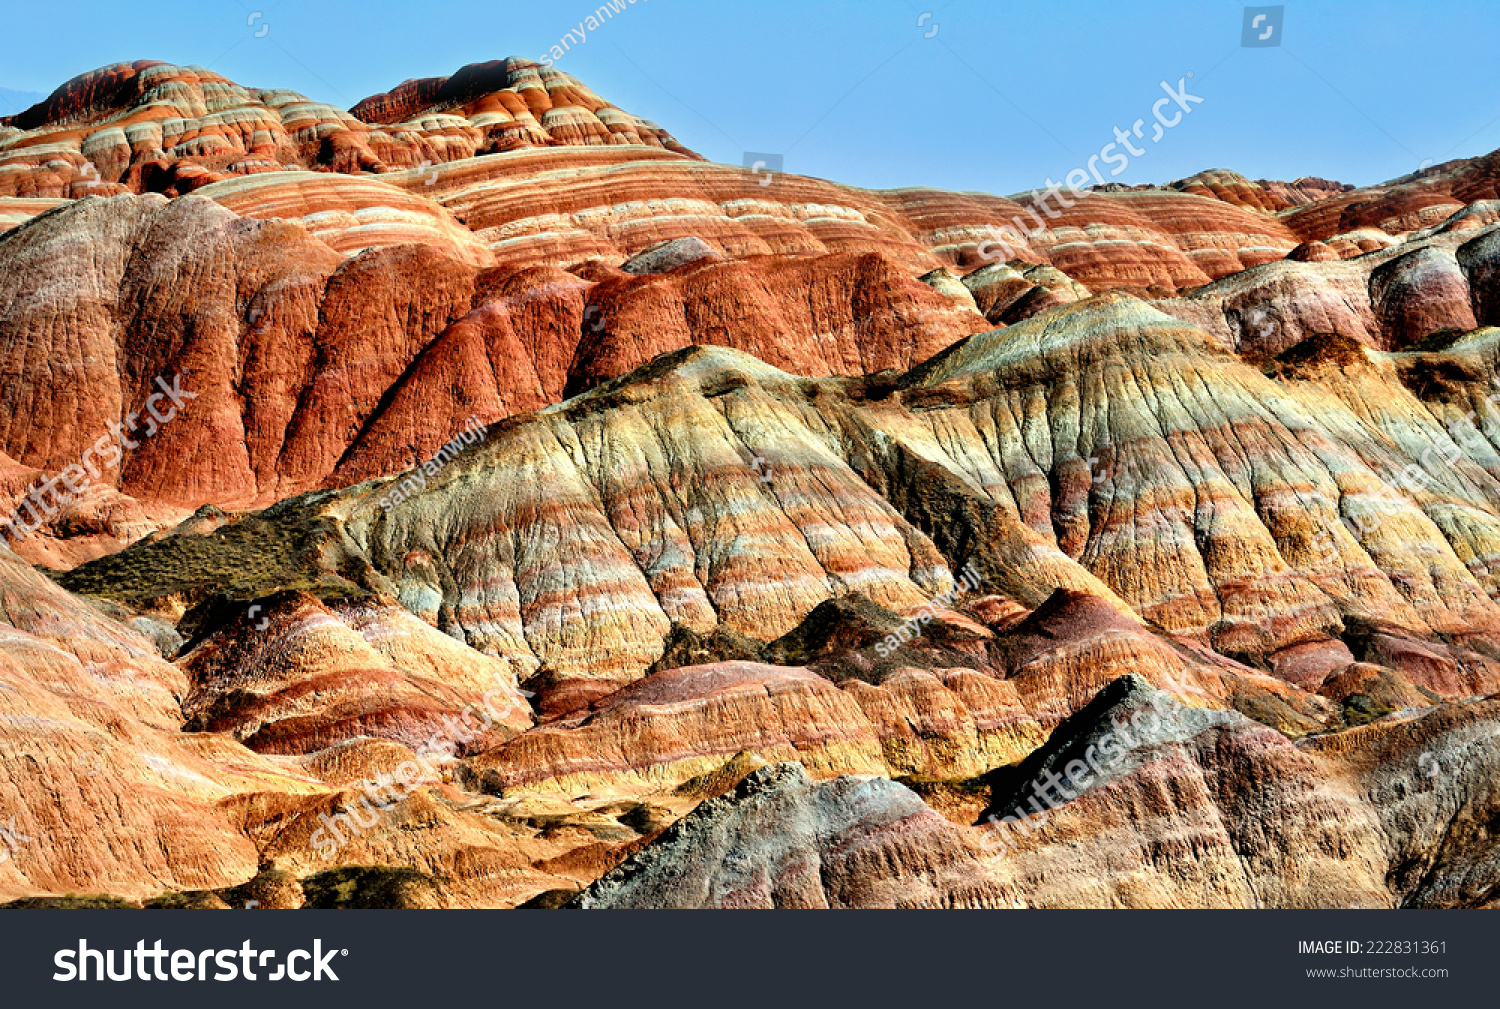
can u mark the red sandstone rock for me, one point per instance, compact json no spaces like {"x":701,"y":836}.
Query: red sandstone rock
{"x":153,"y":127}
{"x":820,"y":412}
{"x":305,"y":676}
{"x":341,"y":356}
{"x":1312,"y":252}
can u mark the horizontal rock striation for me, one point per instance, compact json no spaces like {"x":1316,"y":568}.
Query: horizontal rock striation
{"x":1143,"y":803}
{"x":783,"y":841}
{"x":154,"y":127}
{"x":477,"y":499}
{"x":709,"y":490}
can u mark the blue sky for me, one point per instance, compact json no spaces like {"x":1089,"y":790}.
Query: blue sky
{"x":998,"y":98}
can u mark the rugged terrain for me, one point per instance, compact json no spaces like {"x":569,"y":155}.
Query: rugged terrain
{"x":547,"y":517}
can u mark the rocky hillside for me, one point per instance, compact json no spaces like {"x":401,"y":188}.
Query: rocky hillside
{"x":568,"y":521}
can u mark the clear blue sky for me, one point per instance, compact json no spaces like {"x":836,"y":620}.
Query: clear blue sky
{"x":1003,"y":95}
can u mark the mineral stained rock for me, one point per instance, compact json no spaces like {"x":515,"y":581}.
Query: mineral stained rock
{"x":153,"y":127}
{"x":850,"y":842}
{"x":1145,"y":804}
{"x":477,"y":499}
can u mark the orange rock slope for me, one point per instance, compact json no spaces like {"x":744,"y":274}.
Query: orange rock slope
{"x":154,"y":127}
{"x":477,"y":499}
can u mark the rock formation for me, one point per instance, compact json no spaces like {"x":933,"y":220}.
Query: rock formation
{"x":153,"y":127}
{"x":851,"y":842}
{"x":476,"y":499}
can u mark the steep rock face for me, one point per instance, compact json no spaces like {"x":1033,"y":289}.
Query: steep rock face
{"x":889,"y":455}
{"x":266,"y":322}
{"x":700,"y":539}
{"x":1268,"y":309}
{"x":153,"y":127}
{"x":830,"y":516}
{"x":132,"y":316}
{"x":781,"y":841}
{"x":829,"y":315}
{"x":308,"y":367}
{"x":256,"y":317}
{"x":1140,"y":771}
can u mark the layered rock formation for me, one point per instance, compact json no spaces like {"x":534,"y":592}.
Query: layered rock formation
{"x":1389,"y":296}
{"x":850,"y":842}
{"x":1143,"y":803}
{"x":305,"y":676}
{"x":92,"y":755}
{"x":153,"y":127}
{"x":1266,"y":501}
{"x":265,"y":335}
{"x":504,"y":507}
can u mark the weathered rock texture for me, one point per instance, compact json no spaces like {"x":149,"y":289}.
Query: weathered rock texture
{"x":709,"y":489}
{"x":851,"y":842}
{"x":153,"y":127}
{"x":446,"y":498}
{"x":311,"y":368}
{"x":296,"y":676}
{"x":1136,"y":801}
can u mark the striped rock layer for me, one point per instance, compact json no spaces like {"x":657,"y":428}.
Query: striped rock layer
{"x":310,"y":368}
{"x":1336,"y":507}
{"x":1173,"y":807}
{"x":106,"y":789}
{"x":305,"y":409}
{"x":154,"y":127}
{"x":787,"y":473}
